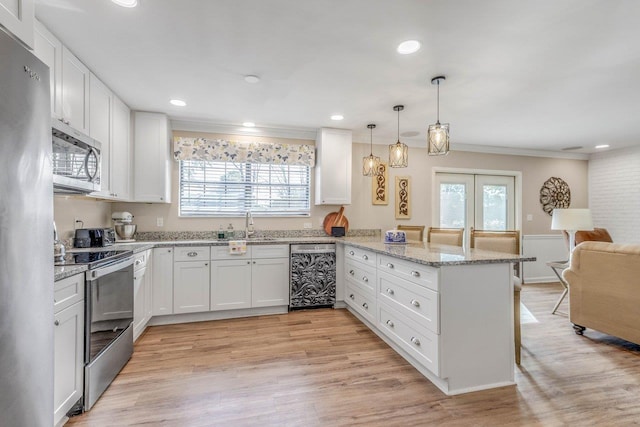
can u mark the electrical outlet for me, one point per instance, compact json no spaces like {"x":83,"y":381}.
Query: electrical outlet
{"x":307,"y":225}
{"x":160,"y":221}
{"x":529,"y":217}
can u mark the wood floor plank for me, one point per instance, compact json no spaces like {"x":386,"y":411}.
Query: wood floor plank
{"x":324,"y":368}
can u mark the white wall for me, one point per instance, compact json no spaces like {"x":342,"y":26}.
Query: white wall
{"x":614,"y":193}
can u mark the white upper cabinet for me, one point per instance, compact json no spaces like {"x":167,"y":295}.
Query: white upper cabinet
{"x":100,"y":128}
{"x":151,"y":158}
{"x":121,"y":151}
{"x":17,"y":16}
{"x":333,"y":167}
{"x":75,"y":92}
{"x":49,"y":50}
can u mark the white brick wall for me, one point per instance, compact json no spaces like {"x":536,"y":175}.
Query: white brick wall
{"x":614,"y":193}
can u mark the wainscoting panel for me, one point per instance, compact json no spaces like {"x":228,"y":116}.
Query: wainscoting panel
{"x":545,"y":247}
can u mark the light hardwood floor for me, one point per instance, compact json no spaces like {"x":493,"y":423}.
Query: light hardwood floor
{"x":324,"y":368}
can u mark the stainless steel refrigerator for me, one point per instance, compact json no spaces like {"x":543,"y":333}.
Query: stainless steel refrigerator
{"x":26,"y":239}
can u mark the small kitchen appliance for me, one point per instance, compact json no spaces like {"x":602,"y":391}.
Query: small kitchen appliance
{"x":124,"y":228}
{"x":93,"y":237}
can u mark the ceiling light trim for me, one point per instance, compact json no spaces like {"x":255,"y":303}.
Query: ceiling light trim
{"x":126,"y":3}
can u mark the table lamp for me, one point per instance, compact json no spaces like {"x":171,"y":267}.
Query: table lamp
{"x":571,"y":220}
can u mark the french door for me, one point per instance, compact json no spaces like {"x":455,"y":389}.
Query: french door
{"x":484,"y":202}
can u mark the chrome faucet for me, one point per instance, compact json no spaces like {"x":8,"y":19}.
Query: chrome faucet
{"x":248,"y":225}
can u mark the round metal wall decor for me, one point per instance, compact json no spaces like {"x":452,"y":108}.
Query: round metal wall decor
{"x":555,"y":193}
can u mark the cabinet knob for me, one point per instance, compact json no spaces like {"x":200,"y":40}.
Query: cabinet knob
{"x":169,"y":251}
{"x":248,"y":262}
{"x":366,"y":306}
{"x":364,"y":257}
{"x":57,"y":322}
{"x":415,"y":303}
{"x":390,"y":291}
{"x":206,"y":264}
{"x":365,"y":279}
{"x":254,"y":262}
{"x":352,"y":297}
{"x":138,"y":262}
{"x":415,"y":273}
{"x":351,"y":272}
{"x":351,"y":253}
{"x":415,"y":341}
{"x":389,"y":265}
{"x":390,"y":323}
{"x":161,"y":198}
{"x":192,"y":254}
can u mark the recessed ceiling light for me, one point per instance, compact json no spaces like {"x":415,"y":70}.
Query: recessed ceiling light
{"x":409,"y":46}
{"x":602,"y":146}
{"x":337,"y":117}
{"x":251,"y":79}
{"x":178,"y":102}
{"x":126,"y":3}
{"x":248,"y":124}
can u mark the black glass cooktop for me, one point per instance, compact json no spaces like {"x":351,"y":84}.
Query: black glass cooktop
{"x":92,"y":259}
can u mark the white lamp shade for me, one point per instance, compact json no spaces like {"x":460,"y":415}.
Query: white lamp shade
{"x":572,"y":219}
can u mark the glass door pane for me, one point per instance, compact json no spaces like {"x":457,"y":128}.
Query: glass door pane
{"x":495,"y":202}
{"x":454,"y":203}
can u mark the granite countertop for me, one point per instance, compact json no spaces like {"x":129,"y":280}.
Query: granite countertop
{"x":60,"y":273}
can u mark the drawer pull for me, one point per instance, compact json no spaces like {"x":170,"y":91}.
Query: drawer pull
{"x":390,"y":323}
{"x":138,"y":262}
{"x":365,"y":279}
{"x":415,"y":341}
{"x":352,"y":297}
{"x":390,"y":291}
{"x":364,"y":257}
{"x":415,"y":303}
{"x":351,"y":253}
{"x":351,"y":272}
{"x":192,"y":254}
{"x":57,"y":322}
{"x":415,"y":273}
{"x":389,"y":265}
{"x":366,"y":306}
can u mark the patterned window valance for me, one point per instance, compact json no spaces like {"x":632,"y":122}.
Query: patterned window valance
{"x":243,"y":152}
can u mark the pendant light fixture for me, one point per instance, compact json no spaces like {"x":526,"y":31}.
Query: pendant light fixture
{"x":371,"y":163}
{"x":438,"y":134}
{"x":398,"y":152}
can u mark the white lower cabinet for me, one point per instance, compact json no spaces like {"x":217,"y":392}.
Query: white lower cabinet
{"x":68,"y":344}
{"x":162,"y":272}
{"x":191,"y":280}
{"x":270,"y":282}
{"x":230,"y":284}
{"x":141,"y":292}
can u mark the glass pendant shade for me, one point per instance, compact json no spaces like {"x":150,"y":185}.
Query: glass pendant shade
{"x":398,"y":152}
{"x":438,"y":138}
{"x":371,"y":163}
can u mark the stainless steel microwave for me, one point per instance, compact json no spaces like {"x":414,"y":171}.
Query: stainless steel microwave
{"x":75,"y":160}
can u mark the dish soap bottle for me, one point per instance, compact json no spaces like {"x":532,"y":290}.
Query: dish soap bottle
{"x":230,"y":232}
{"x":220,"y":233}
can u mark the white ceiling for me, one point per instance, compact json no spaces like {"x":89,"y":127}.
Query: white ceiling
{"x":534,"y":75}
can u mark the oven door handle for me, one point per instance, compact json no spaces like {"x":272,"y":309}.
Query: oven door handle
{"x":103,"y":271}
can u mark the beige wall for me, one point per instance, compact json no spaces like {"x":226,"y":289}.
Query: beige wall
{"x":92,"y":212}
{"x":361,"y":213}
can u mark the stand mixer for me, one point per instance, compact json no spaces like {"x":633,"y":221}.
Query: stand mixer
{"x":122,"y":224}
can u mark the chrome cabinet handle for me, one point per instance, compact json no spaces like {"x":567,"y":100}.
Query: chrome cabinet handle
{"x":138,"y":261}
{"x":351,"y":253}
{"x":351,"y":272}
{"x":192,"y":254}
{"x":57,"y":322}
{"x":366,"y":306}
{"x":352,"y":297}
{"x":390,"y":323}
{"x":415,"y":341}
{"x":415,"y":303}
{"x":364,"y":257}
{"x":390,"y":291}
{"x":415,"y":273}
{"x":365,"y":279}
{"x":389,"y":265}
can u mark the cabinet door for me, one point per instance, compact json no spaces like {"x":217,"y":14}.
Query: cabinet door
{"x":49,"y":50}
{"x":148,"y":285}
{"x":230,"y":284}
{"x":68,"y":359}
{"x":270,"y":282}
{"x":162,"y":281}
{"x":139,"y":299}
{"x":100,"y":118}
{"x":190,"y":286}
{"x":121,"y":151}
{"x":151,"y":158}
{"x":75,"y":92}
{"x":17,"y":16}
{"x":333,"y":167}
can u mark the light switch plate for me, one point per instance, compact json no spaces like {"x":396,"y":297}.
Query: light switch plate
{"x":529,"y":217}
{"x":307,"y":225}
{"x":160,"y":221}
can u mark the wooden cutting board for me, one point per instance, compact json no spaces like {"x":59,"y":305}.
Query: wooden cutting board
{"x":335,"y":219}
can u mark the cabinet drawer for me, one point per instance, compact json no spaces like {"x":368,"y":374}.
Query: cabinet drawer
{"x":67,"y":292}
{"x":421,"y":344}
{"x":417,"y":302}
{"x":140,"y":260}
{"x":362,"y":255}
{"x":222,"y":252}
{"x":411,"y":271}
{"x":363,"y":304}
{"x":362,"y":274}
{"x":191,"y":253}
{"x":269,"y":251}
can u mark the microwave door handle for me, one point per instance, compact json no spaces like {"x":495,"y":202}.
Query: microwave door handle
{"x":92,"y":152}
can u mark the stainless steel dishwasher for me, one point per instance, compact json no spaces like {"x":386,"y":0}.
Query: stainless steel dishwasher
{"x":313,"y":276}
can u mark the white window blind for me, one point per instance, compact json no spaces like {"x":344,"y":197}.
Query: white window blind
{"x":210,"y":188}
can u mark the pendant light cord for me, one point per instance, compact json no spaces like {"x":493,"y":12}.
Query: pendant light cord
{"x":398,"y":125}
{"x":371,"y":141}
{"x":438,"y":105}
